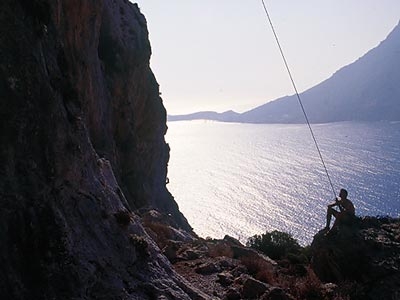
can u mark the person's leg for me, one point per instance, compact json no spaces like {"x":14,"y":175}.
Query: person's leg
{"x":331,"y":212}
{"x":338,"y":220}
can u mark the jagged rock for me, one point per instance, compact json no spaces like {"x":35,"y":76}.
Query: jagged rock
{"x":227,"y":263}
{"x":232,"y":240}
{"x":190,"y":254}
{"x":189,"y":250}
{"x":241,"y":251}
{"x":155,"y":216}
{"x":253,"y":288}
{"x":276,"y":293}
{"x":82,"y":147}
{"x":225,"y":278}
{"x":237,"y":271}
{"x":368,"y":252}
{"x":208,"y":268}
{"x":232,"y":294}
{"x":328,"y":289}
{"x":171,"y":249}
{"x":239,"y":280}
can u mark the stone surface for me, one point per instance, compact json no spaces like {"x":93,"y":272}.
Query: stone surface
{"x":232,"y":294}
{"x":82,"y":146}
{"x":225,"y":278}
{"x":253,"y":288}
{"x":368,"y":253}
{"x":277,"y":294}
{"x":208,"y":268}
{"x":291,"y":279}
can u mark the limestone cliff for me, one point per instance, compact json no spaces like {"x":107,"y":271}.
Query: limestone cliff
{"x":82,"y":146}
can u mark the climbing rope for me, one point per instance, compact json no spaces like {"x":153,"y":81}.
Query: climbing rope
{"x":298,"y":95}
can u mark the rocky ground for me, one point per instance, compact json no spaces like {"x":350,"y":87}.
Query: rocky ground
{"x":355,"y":262}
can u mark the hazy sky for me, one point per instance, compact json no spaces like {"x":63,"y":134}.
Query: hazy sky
{"x":221,"y":54}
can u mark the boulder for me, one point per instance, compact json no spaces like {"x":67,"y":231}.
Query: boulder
{"x":232,"y":294}
{"x":367,"y":252}
{"x":276,"y":293}
{"x":225,"y":278}
{"x":253,"y":288}
{"x":208,"y":268}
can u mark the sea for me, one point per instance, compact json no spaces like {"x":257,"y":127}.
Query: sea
{"x":245,"y":179}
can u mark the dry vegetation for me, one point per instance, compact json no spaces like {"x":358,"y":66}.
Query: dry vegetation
{"x":160,"y":233}
{"x":220,"y":249}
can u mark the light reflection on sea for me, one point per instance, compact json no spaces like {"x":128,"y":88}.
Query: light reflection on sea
{"x":244,"y":179}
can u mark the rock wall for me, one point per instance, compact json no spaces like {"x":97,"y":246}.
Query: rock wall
{"x":82,"y":146}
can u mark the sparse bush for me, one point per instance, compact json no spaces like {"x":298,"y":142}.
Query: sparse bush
{"x":275,"y":244}
{"x":308,"y":287}
{"x":297,"y":258}
{"x":140,"y":244}
{"x":161,"y":233}
{"x":259,"y":268}
{"x":220,"y":249}
{"x":306,"y":252}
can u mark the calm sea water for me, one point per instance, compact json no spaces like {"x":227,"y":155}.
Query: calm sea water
{"x":245,"y":179}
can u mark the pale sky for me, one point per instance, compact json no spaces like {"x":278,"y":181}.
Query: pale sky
{"x":220,"y":54}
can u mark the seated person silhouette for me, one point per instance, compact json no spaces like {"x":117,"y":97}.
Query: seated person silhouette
{"x":345,"y":214}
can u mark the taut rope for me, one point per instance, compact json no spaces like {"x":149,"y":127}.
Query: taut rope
{"x":298,"y":95}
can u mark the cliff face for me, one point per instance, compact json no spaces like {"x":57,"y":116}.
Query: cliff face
{"x":82,"y":145}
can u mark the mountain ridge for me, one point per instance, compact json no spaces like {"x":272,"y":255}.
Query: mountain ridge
{"x":365,"y":90}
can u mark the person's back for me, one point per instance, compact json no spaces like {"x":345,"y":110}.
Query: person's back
{"x":348,"y":206}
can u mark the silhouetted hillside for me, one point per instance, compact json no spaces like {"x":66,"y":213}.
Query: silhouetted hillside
{"x":227,"y":116}
{"x":366,"y":90}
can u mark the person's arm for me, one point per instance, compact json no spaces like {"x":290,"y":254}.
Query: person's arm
{"x":340,"y":205}
{"x":336,"y":203}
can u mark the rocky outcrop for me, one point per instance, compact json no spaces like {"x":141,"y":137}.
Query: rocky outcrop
{"x":366,"y":253}
{"x":82,"y":146}
{"x":225,"y":269}
{"x":358,"y":261}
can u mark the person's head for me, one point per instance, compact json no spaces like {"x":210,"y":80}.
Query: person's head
{"x":343,"y":194}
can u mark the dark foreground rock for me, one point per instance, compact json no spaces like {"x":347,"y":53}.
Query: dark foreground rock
{"x":366,"y":253}
{"x":225,"y":269}
{"x":355,"y":262}
{"x":81,"y":147}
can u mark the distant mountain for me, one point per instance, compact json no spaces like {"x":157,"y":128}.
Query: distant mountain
{"x":366,"y":90}
{"x":228,"y":116}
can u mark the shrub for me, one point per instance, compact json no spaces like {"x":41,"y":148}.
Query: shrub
{"x":275,"y":244}
{"x":220,"y":249}
{"x":160,"y":233}
{"x":308,"y":287}
{"x":140,"y":244}
{"x":259,"y":268}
